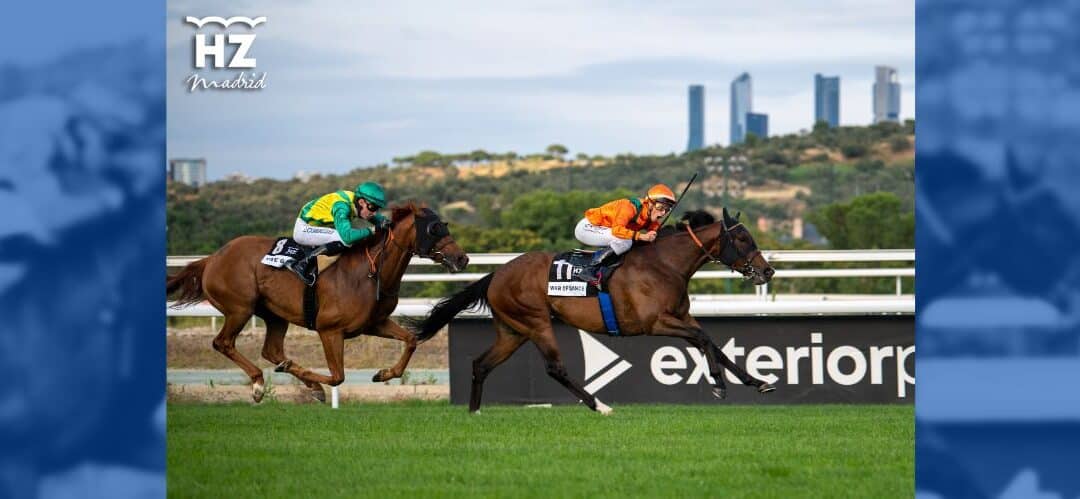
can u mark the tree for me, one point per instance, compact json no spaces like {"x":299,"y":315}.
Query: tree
{"x":557,"y":150}
{"x":553,"y":215}
{"x":876,"y":220}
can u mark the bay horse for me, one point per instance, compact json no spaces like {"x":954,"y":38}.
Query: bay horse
{"x":234,"y":281}
{"x":649,"y":292}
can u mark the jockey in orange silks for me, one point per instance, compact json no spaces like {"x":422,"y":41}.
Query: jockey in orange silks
{"x":616,"y":225}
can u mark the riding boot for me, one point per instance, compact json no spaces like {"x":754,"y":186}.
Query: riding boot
{"x":300,"y":266}
{"x":590,"y":272}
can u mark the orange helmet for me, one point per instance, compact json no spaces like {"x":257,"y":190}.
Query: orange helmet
{"x":662,"y":194}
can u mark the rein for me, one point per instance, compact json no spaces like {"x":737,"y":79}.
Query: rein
{"x":373,"y":269}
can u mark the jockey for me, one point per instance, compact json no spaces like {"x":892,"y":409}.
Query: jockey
{"x":326,"y":222}
{"x":616,"y":225}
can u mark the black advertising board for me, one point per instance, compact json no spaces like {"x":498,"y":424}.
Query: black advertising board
{"x":809,"y":359}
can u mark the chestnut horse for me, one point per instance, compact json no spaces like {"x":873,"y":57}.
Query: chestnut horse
{"x":649,"y":292}
{"x":235,"y":282}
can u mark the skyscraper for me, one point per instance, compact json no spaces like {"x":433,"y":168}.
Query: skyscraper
{"x":697,"y":118}
{"x":757,"y":124}
{"x":740,"y":105}
{"x":188,"y":171}
{"x":827,"y":99}
{"x":886,"y":94}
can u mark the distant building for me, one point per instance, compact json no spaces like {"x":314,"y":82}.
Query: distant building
{"x":757,"y":124}
{"x":740,"y":105}
{"x":189,"y":171}
{"x":697,"y":118}
{"x":239,"y":177}
{"x":886,"y":94}
{"x":827,"y":99}
{"x":305,"y":176}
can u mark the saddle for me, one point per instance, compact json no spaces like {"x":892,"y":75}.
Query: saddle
{"x":565,"y":266}
{"x":286,"y":250}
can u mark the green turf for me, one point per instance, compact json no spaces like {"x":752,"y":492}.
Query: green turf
{"x":423,"y":449}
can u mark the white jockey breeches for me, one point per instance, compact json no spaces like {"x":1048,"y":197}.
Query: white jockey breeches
{"x":596,"y":235}
{"x":310,"y":235}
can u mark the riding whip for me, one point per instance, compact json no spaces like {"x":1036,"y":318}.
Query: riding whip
{"x":677,"y":201}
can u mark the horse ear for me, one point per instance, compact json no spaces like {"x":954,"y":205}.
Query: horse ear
{"x":737,"y":215}
{"x":728,"y":221}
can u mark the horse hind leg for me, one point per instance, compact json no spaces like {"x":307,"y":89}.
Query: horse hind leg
{"x":274,"y":351}
{"x":549,"y":348}
{"x":507,"y":341}
{"x":225,"y":342}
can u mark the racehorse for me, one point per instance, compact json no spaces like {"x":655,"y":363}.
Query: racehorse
{"x":357,"y":294}
{"x":649,"y":292}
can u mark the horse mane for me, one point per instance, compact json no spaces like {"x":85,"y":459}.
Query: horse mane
{"x":398,"y":212}
{"x":692,"y":218}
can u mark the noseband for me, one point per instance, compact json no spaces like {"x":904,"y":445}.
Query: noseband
{"x":747,"y":269}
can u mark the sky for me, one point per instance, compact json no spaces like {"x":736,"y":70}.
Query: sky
{"x":352,"y":84}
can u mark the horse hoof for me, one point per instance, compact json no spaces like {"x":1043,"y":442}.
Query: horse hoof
{"x":382,"y":375}
{"x":318,"y":394}
{"x":603,"y":408}
{"x":257,"y":391}
{"x":766,"y":388}
{"x":720,"y":393}
{"x":283,"y":366}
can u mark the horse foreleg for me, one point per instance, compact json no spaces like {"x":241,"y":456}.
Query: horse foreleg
{"x":334,"y":347}
{"x":745,"y":377}
{"x":689,"y":330}
{"x":274,"y":351}
{"x":393,"y":330}
{"x":728,"y":364}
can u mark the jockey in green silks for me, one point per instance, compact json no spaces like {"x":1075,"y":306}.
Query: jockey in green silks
{"x":326,"y":223}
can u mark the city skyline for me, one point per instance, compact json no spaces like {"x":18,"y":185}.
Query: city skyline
{"x":371,"y":82}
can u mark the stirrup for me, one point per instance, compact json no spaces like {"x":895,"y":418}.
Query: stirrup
{"x":295,"y":266}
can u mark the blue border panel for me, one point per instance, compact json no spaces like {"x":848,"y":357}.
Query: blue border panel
{"x":998,"y":227}
{"x":82,"y":143}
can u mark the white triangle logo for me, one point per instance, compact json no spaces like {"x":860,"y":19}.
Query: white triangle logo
{"x":597,"y":358}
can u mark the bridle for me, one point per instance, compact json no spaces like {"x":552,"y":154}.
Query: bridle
{"x":747,"y":269}
{"x":431,"y":239}
{"x":433,"y":230}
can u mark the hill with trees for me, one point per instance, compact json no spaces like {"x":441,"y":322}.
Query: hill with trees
{"x":845,"y":187}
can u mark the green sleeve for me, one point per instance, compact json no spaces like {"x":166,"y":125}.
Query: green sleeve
{"x":343,"y":224}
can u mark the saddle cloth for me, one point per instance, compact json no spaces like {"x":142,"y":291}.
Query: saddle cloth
{"x":284,"y":250}
{"x":565,"y":266}
{"x":561,"y":282}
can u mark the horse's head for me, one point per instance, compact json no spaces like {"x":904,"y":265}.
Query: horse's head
{"x":430,"y":238}
{"x":741,"y":252}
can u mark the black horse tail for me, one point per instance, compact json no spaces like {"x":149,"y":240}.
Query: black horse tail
{"x":445,"y":310}
{"x":187,"y":282}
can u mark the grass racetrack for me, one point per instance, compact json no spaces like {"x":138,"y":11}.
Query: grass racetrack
{"x":421,"y":449}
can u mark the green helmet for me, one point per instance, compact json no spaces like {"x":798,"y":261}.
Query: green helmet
{"x":372,"y":193}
